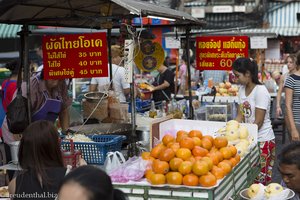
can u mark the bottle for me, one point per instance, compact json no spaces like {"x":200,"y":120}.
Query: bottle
{"x":152,"y":112}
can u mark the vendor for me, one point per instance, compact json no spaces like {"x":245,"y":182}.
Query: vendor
{"x":163,"y":84}
{"x":254,"y":103}
{"x":49,"y":100}
{"x":120,"y":86}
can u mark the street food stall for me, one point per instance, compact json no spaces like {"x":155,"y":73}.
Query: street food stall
{"x":102,"y":14}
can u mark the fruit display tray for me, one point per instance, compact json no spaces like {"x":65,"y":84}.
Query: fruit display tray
{"x":240,"y":177}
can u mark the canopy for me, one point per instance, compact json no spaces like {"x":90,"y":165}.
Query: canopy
{"x":85,"y":14}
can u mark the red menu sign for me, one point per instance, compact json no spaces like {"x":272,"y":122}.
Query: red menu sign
{"x":75,"y":56}
{"x":219,"y":52}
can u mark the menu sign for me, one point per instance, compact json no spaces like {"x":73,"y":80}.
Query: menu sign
{"x":75,"y":56}
{"x":219,"y":52}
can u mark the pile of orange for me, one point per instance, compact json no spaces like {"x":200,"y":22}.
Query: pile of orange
{"x":191,"y":159}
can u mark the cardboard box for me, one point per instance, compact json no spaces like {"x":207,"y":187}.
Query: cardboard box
{"x":171,"y":126}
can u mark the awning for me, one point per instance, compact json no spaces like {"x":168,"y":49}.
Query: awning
{"x":9,"y":31}
{"x":86,"y":14}
{"x":281,"y":31}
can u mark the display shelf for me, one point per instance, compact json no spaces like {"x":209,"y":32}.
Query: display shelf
{"x":242,"y":176}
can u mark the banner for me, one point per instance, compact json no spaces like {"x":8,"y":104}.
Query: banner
{"x":219,"y":52}
{"x":75,"y":56}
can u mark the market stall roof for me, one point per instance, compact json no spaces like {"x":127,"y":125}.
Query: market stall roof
{"x":87,"y":13}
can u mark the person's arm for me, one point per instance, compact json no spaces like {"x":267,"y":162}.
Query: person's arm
{"x":259,"y":117}
{"x":239,"y":116}
{"x":278,"y":97}
{"x":64,"y":119}
{"x":12,"y":186}
{"x":288,"y":105}
{"x":162,"y":86}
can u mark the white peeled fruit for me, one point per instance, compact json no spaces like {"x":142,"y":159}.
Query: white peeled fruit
{"x":243,"y":130}
{"x":246,"y":142}
{"x":242,"y":149}
{"x":233,"y":123}
{"x":255,"y":191}
{"x":232,"y":135}
{"x":273,"y":189}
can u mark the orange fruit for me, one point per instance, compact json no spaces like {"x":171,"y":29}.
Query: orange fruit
{"x":217,"y":172}
{"x":160,"y":167}
{"x":183,"y":153}
{"x":237,"y":157}
{"x":233,"y":150}
{"x":157,"y":179}
{"x":220,"y":141}
{"x":174,"y":146}
{"x":214,"y":157}
{"x":209,"y":137}
{"x":174,"y":178}
{"x":199,"y":151}
{"x":175,"y":163}
{"x":148,"y":174}
{"x":145,"y":155}
{"x":168,"y":139}
{"x":214,"y":149}
{"x":180,"y":137}
{"x":225,"y":167}
{"x":187,"y":142}
{"x":208,"y":180}
{"x":209,"y":162}
{"x":190,"y":180}
{"x":166,"y":155}
{"x":233,"y":161}
{"x":156,"y":151}
{"x":181,"y":132}
{"x":185,"y":167}
{"x":206,"y":143}
{"x":220,"y":155}
{"x":192,"y":159}
{"x":228,"y":161}
{"x":200,"y":167}
{"x":195,"y":133}
{"x":226,"y":152}
{"x":197,"y":141}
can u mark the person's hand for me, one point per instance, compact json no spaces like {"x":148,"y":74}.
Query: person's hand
{"x":295,"y":135}
{"x":278,"y":112}
{"x":152,"y":88}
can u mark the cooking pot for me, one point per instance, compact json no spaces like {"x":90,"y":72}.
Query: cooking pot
{"x":95,"y":96}
{"x":143,"y":135}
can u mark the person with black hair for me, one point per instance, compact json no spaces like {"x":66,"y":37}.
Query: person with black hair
{"x":163,"y":85}
{"x":41,"y":161}
{"x":254,"y":102}
{"x":88,"y":183}
{"x":289,"y":167}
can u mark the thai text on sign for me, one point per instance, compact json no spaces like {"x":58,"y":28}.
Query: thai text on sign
{"x":219,"y":52}
{"x":75,"y":56}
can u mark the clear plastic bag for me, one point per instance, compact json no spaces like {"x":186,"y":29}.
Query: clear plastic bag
{"x":113,"y":161}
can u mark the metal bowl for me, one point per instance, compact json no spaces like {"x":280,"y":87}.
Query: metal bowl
{"x":95,"y":96}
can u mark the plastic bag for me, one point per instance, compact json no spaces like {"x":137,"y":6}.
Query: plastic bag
{"x":133,"y":169}
{"x":113,"y":161}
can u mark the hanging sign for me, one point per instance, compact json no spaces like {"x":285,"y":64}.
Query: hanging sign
{"x":219,"y":52}
{"x":75,"y":56}
{"x":258,"y":43}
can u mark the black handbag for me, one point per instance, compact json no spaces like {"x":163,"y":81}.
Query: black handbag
{"x":17,"y":110}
